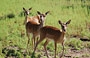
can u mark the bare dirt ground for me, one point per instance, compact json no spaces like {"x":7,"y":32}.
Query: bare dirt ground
{"x":83,"y":53}
{"x":70,"y":53}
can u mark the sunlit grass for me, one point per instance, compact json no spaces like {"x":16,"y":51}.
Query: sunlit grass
{"x":11,"y":28}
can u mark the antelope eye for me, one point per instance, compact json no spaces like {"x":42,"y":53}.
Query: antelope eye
{"x":40,"y":16}
{"x":63,"y":26}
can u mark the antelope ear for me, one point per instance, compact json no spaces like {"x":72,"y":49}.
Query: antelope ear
{"x":24,"y":9}
{"x":30,"y":8}
{"x":47,"y":12}
{"x":59,"y":22}
{"x":38,"y":12}
{"x":68,"y":22}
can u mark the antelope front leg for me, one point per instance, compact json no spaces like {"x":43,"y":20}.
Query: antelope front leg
{"x":37,"y":44}
{"x":37,"y":39}
{"x":55,"y":49}
{"x":45,"y":44}
{"x":28,"y":39}
{"x":63,"y":50}
{"x":28,"y":43}
{"x":33,"y":41}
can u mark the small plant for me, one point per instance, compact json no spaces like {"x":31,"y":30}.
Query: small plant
{"x":12,"y":51}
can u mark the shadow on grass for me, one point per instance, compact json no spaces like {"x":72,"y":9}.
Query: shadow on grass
{"x":10,"y":15}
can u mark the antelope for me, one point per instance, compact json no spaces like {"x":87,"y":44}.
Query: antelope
{"x":50,"y":32}
{"x":32,"y":26}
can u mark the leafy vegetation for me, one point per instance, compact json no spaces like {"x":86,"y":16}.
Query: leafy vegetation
{"x":12,"y":17}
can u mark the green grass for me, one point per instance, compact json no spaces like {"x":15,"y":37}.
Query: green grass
{"x":75,"y":43}
{"x":11,"y":28}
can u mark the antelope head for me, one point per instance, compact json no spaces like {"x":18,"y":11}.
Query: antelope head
{"x":64,"y":25}
{"x":26,"y":12}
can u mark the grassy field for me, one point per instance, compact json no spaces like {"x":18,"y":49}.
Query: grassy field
{"x":12,"y":18}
